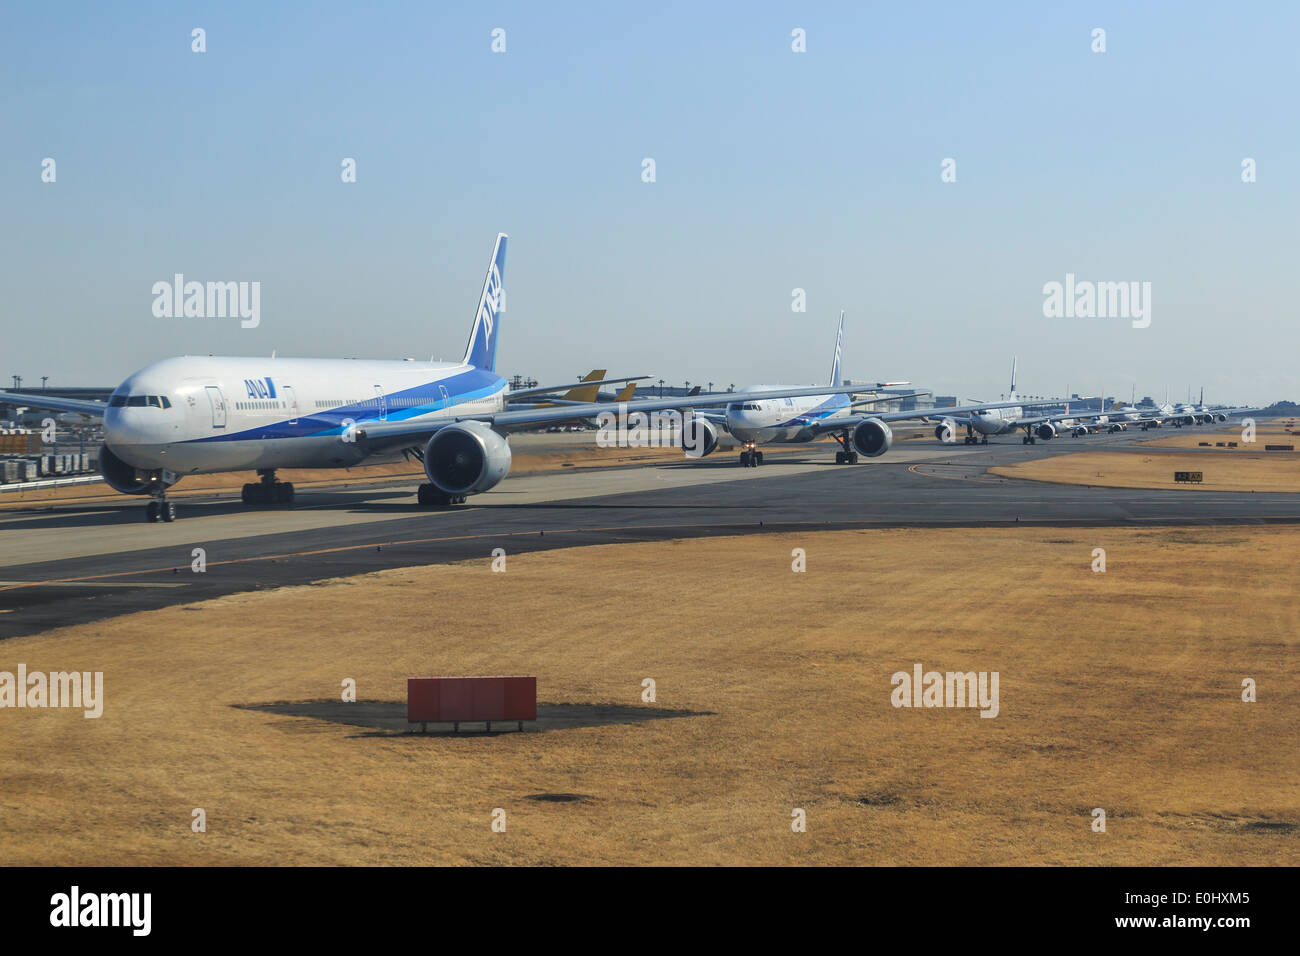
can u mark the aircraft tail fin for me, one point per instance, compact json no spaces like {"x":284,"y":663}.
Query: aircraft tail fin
{"x":481,"y":352}
{"x":626,"y":394}
{"x":835,"y":362}
{"x":586,"y":393}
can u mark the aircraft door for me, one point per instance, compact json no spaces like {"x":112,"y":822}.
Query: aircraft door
{"x":218,"y":403}
{"x":291,"y":403}
{"x":382,"y":402}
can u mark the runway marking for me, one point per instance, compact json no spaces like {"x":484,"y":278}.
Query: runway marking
{"x":86,"y":582}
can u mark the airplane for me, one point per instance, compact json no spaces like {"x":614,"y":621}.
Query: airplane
{"x":756,"y":420}
{"x":1005,"y":419}
{"x":203,"y":414}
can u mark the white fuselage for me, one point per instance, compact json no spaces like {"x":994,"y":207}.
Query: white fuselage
{"x":783,"y":420}
{"x":210,"y":414}
{"x":998,"y":421}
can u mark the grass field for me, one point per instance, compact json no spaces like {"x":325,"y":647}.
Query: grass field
{"x":1233,"y":470}
{"x":1247,"y":467}
{"x":1270,"y":433}
{"x":1119,"y":690}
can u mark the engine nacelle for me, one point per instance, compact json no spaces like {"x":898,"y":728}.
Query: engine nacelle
{"x":1220,"y":418}
{"x":466,"y":458}
{"x":946,"y":431}
{"x":1079,"y":431}
{"x":699,"y":437}
{"x":1046,"y":431}
{"x":872,"y":438}
{"x":130,"y":480}
{"x":1118,"y":427}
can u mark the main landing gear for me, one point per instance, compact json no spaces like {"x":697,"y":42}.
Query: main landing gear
{"x":1029,"y":438}
{"x":846,"y":455}
{"x":973,"y":439}
{"x":268,"y":491}
{"x":432,"y":496}
{"x":751,"y":458}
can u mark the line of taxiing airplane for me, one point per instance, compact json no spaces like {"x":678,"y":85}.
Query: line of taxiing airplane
{"x":203,"y":414}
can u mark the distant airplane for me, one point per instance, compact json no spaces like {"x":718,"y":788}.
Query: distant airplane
{"x":1008,"y":418}
{"x":756,"y":420}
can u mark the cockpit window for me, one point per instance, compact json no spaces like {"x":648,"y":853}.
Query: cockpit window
{"x":139,"y":401}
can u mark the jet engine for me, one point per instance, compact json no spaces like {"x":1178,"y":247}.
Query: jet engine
{"x":130,"y":480}
{"x":1118,"y":427}
{"x":872,"y":438}
{"x":466,"y":458}
{"x":1046,"y":431}
{"x":1219,"y":417}
{"x":1079,"y":431}
{"x":699,"y":437}
{"x":946,"y":431}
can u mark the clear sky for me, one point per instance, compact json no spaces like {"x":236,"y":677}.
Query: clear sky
{"x":775,"y":170}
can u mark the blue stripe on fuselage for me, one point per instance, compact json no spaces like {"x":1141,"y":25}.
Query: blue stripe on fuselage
{"x":465,"y":387}
{"x":827,"y":408}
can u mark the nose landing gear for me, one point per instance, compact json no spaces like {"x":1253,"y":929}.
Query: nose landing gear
{"x":751,"y":458}
{"x":160,"y":509}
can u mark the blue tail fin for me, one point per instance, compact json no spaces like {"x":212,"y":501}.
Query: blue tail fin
{"x":835,"y":364}
{"x":482,"y":349}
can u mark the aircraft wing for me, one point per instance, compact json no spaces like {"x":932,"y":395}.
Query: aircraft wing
{"x":930,"y":414}
{"x":1039,"y":419}
{"x":94,"y":409}
{"x":884,"y":398}
{"x":379,"y":435}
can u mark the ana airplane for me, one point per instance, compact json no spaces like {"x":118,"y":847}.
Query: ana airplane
{"x":756,"y":420}
{"x":198,"y":415}
{"x":1005,"y":419}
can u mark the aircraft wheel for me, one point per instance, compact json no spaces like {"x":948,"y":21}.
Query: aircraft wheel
{"x":151,"y":511}
{"x":853,"y":458}
{"x":167,"y":511}
{"x":758,"y":456}
{"x":744,"y":459}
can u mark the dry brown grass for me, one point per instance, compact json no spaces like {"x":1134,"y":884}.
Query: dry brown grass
{"x":1118,"y":690}
{"x":1231,"y":470}
{"x":1270,"y":433}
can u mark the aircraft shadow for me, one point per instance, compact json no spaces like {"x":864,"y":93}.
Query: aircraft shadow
{"x":387,"y":719}
{"x":131,"y":511}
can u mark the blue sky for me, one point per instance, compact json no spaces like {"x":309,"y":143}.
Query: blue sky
{"x":775,"y":171}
